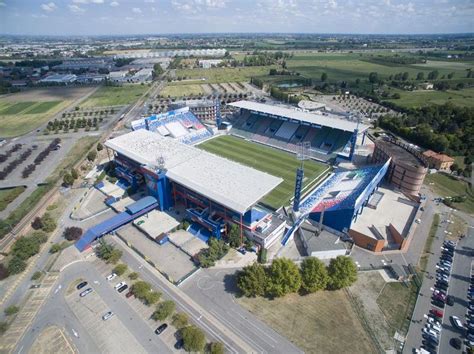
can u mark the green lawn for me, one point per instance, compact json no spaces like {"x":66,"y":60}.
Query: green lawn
{"x":182,"y":90}
{"x":9,"y":195}
{"x":419,"y":98}
{"x":273,"y":161}
{"x":447,"y":186}
{"x":15,"y":108}
{"x":43,"y":107}
{"x":115,"y":95}
{"x":219,"y":75}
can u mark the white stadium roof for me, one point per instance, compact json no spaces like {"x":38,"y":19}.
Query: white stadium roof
{"x":329,"y":121}
{"x":228,"y":183}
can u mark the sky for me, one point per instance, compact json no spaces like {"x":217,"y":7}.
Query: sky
{"x":104,"y":17}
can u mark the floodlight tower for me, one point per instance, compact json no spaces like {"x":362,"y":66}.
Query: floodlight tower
{"x":301,"y":155}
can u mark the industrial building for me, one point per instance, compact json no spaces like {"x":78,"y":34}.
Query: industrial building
{"x":408,"y":167}
{"x":59,"y":79}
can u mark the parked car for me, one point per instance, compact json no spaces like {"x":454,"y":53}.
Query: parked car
{"x":85,"y":292}
{"x":81,"y":285}
{"x":434,"y":327}
{"x":179,"y":344}
{"x":455,"y":343}
{"x":430,"y":332}
{"x":438,"y":303}
{"x":456,"y":322}
{"x":111,"y":276}
{"x":122,"y":288}
{"x":437,"y":313}
{"x":119,"y":285}
{"x":450,"y":300}
{"x":107,"y":315}
{"x":129,"y":294}
{"x":161,"y":328}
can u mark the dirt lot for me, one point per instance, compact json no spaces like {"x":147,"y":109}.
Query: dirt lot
{"x":48,"y":94}
{"x":324,"y":322}
{"x":52,"y":340}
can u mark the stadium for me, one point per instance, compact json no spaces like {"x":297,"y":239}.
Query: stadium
{"x":216,"y":178}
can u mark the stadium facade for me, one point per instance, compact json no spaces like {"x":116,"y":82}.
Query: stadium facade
{"x":329,"y":136}
{"x":215,"y":192}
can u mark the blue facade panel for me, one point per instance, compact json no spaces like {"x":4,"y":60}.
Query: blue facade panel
{"x":337,"y":219}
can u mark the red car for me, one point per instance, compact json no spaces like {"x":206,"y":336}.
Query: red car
{"x":437,"y":313}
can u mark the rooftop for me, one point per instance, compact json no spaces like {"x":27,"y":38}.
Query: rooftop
{"x":233,"y":185}
{"x":439,"y":157}
{"x":325,"y":120}
{"x":399,"y":153}
{"x":325,"y":241}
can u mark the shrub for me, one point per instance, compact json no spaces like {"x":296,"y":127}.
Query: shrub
{"x":91,"y":155}
{"x":180,"y":320}
{"x":37,"y":223}
{"x":108,"y":253}
{"x":215,"y":348}
{"x":16,"y":265}
{"x":3,"y":327}
{"x":49,"y":224}
{"x":3,"y":272}
{"x":25,"y":247}
{"x":36,"y":275}
{"x":120,"y":269}
{"x":193,"y":338}
{"x":11,"y":310}
{"x":164,"y":310}
{"x":133,"y":276}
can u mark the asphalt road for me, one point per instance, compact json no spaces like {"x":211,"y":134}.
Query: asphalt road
{"x":56,"y":311}
{"x":213,"y":289}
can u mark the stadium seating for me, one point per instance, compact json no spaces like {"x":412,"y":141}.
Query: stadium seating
{"x":286,"y":130}
{"x":300,"y":134}
{"x":341,"y":141}
{"x":274,"y":126}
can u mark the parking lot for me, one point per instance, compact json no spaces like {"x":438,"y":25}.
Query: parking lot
{"x":111,"y":336}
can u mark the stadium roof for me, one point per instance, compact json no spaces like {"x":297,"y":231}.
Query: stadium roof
{"x":233,"y":185}
{"x":313,"y":118}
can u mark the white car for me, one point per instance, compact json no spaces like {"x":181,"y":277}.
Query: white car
{"x":111,"y":276}
{"x":430,"y":332}
{"x":431,"y":320}
{"x":119,"y":285}
{"x":436,"y":328}
{"x":457,"y":322}
{"x":107,"y":315}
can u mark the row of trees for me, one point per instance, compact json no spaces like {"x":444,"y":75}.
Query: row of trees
{"x":4,"y":157}
{"x":283,"y":277}
{"x":40,"y":158}
{"x":75,"y":124}
{"x":15,"y":163}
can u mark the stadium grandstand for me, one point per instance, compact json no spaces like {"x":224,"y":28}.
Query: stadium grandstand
{"x":180,"y":124}
{"x":284,"y":128}
{"x":214,"y":192}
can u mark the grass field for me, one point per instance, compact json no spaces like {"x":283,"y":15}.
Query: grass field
{"x":273,"y":161}
{"x":447,"y":186}
{"x":323,"y":322}
{"x":9,"y":195}
{"x":115,"y":95}
{"x":220,"y":75}
{"x":419,"y":98}
{"x":182,"y":90}
{"x":8,"y":108}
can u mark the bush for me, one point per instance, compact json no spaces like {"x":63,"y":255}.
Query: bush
{"x":133,"y":276}
{"x":49,"y":224}
{"x":108,"y":253}
{"x":193,"y":338}
{"x":58,"y":247}
{"x":3,"y":272}
{"x":36,"y":275}
{"x":180,"y":320}
{"x":120,"y":269}
{"x":215,"y":348}
{"x":25,"y":247}
{"x":16,"y":265}
{"x":3,"y":327}
{"x":11,"y":310}
{"x":39,"y":236}
{"x":262,"y":255}
{"x":91,"y":156}
{"x":164,"y":310}
{"x":72,"y":233}
{"x":37,"y":223}
{"x":217,"y":249}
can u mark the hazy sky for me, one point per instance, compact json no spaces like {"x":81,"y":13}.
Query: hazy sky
{"x":190,"y":16}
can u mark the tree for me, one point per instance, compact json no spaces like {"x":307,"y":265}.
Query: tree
{"x":25,"y":247}
{"x":314,"y":275}
{"x":92,"y":155}
{"x":215,"y":348}
{"x":16,"y":265}
{"x":373,"y":77}
{"x":164,"y":310}
{"x":234,"y":236}
{"x":324,"y":77}
{"x":11,"y":310}
{"x":152,"y":297}
{"x":37,"y":223}
{"x":454,"y":167}
{"x":68,"y":180}
{"x":433,"y":75}
{"x":74,"y":174}
{"x":3,"y":327}
{"x":120,"y":269}
{"x":36,"y":275}
{"x":100,"y":147}
{"x":420,"y":76}
{"x":133,"y":276}
{"x":342,"y":272}
{"x":180,"y":320}
{"x":405,"y":76}
{"x":193,"y":338}
{"x":283,"y":277}
{"x":49,"y":224}
{"x":72,"y":233}
{"x":108,"y":253}
{"x":252,"y":280}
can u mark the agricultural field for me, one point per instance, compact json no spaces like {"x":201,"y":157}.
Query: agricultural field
{"x":275,"y":162}
{"x":310,"y":321}
{"x":23,"y":112}
{"x":448,"y":186}
{"x":182,"y":90}
{"x":219,"y":75}
{"x":115,"y":95}
{"x":419,"y":98}
{"x":349,"y":67}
